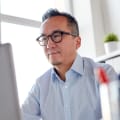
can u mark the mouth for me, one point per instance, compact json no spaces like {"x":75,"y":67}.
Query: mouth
{"x":53,"y":52}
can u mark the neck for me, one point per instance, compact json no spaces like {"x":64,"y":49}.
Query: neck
{"x":61,"y":70}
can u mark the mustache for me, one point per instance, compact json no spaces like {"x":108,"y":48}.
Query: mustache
{"x":52,"y":52}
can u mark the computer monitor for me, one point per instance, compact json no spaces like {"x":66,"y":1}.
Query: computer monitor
{"x":9,"y":103}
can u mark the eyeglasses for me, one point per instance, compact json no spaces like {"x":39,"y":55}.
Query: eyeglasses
{"x":56,"y":37}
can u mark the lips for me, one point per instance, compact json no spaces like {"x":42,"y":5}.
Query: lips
{"x":53,"y":52}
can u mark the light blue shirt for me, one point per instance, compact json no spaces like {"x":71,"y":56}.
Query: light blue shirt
{"x":75,"y":99}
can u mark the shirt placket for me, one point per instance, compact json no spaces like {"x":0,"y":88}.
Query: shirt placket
{"x":66,"y":98}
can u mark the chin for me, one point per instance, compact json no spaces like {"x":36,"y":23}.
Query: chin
{"x":55,"y":62}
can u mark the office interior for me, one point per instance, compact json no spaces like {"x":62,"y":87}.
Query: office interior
{"x":20,"y":22}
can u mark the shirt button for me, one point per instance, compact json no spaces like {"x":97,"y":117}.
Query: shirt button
{"x":66,"y":86}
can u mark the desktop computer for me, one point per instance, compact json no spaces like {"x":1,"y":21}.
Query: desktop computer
{"x":9,"y":103}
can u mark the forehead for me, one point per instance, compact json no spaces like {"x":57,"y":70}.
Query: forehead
{"x":54,"y":23}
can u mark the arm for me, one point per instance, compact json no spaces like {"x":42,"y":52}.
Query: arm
{"x":31,"y":107}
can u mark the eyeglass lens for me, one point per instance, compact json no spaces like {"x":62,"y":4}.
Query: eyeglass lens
{"x":55,"y":37}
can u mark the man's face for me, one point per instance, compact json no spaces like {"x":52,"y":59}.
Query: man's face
{"x":63,"y":52}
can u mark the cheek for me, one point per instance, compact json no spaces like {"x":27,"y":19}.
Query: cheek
{"x":68,"y":49}
{"x":45,"y":52}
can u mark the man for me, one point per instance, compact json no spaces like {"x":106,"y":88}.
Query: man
{"x":69,"y":90}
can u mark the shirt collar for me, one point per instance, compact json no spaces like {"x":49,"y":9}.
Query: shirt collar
{"x":77,"y":66}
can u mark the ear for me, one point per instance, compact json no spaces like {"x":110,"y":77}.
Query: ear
{"x":78,"y":42}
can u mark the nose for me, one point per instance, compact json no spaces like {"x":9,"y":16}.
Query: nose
{"x":50,"y":43}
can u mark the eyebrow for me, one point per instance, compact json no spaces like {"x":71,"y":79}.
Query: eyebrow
{"x":58,"y":30}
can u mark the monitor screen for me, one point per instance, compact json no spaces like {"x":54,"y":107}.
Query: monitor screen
{"x":9,"y":104}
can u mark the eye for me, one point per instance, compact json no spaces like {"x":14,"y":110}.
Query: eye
{"x":43,"y":38}
{"x":56,"y":35}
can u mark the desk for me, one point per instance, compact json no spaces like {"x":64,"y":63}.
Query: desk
{"x":110,"y":56}
{"x":113,"y":59}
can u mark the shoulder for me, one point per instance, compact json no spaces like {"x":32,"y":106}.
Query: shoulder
{"x":44,"y":77}
{"x":92,"y":65}
{"x":90,"y":62}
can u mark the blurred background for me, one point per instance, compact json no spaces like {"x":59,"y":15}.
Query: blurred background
{"x":20,"y":22}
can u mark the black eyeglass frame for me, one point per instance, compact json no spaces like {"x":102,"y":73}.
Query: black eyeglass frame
{"x":61,"y":33}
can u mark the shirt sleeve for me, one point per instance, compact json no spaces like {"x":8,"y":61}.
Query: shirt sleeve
{"x":111,"y":73}
{"x":30,"y":109}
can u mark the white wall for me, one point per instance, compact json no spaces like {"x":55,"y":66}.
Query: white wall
{"x":111,"y":15}
{"x":82,"y":11}
{"x":96,"y":18}
{"x":111,"y":18}
{"x":106,"y":18}
{"x":98,"y":26}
